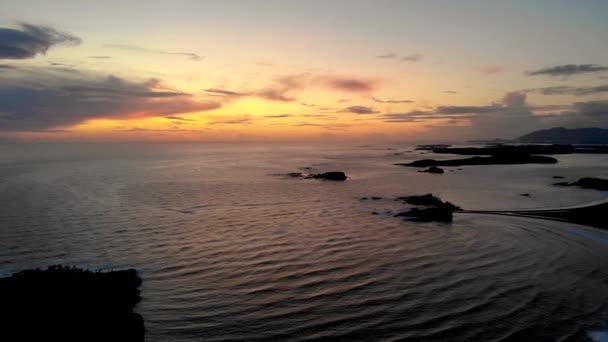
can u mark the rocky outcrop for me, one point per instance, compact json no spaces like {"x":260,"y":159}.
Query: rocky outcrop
{"x":69,"y":304}
{"x":334,"y":176}
{"x":433,"y":169}
{"x":431,"y":209}
{"x":589,"y":183}
{"x":492,"y":160}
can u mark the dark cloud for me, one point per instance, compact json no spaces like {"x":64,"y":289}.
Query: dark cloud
{"x":359,"y":110}
{"x":178,"y":118}
{"x":303,"y":124}
{"x":237,"y":121}
{"x":568,"y":70}
{"x":30,"y":40}
{"x":347,"y":84}
{"x":387,"y":56}
{"x":466,"y":109}
{"x":278,"y":116}
{"x":375,"y":99}
{"x":565,"y":90}
{"x":413,"y":58}
{"x":223,"y":92}
{"x":189,"y":55}
{"x":6,"y":66}
{"x":34,"y":100}
{"x":593,"y":108}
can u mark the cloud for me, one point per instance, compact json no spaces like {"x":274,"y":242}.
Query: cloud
{"x":100,"y":57}
{"x":413,"y":58}
{"x":387,"y":56}
{"x":30,"y":40}
{"x":246,"y":120}
{"x":375,"y":99}
{"x":449,"y":92}
{"x":568,"y":70}
{"x":189,"y":55}
{"x":223,"y":92}
{"x":35,"y":100}
{"x":593,"y":108}
{"x":308,"y":104}
{"x":466,"y":109}
{"x":490,"y":70}
{"x":278,"y":116}
{"x":359,"y":110}
{"x":178,"y":118}
{"x":348,"y":84}
{"x":304,"y":124}
{"x":344,"y":100}
{"x":565,"y":90}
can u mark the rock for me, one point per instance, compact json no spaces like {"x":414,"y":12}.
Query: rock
{"x":375,"y":198}
{"x":588,"y":183}
{"x":558,"y":177}
{"x":69,"y":304}
{"x":592,"y":183}
{"x":375,"y":213}
{"x":525,"y":195}
{"x":427,"y":199}
{"x":433,"y":169}
{"x":440,"y":213}
{"x":364,"y":198}
{"x":492,"y":160}
{"x":435,"y":209}
{"x":334,"y":176}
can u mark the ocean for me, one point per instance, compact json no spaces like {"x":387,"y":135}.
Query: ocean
{"x":231,"y":251}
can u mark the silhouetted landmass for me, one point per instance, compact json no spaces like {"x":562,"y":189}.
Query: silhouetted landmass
{"x":434,"y":209}
{"x":431,"y":147}
{"x":70,"y":304}
{"x":500,"y":150}
{"x":492,"y":160}
{"x":589,"y":183}
{"x":561,"y":135}
{"x":593,"y":215}
{"x":333,"y":175}
{"x":433,"y":169}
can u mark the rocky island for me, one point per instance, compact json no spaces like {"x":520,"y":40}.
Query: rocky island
{"x":64,"y":303}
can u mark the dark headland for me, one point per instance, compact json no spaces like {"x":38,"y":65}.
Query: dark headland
{"x":69,"y":304}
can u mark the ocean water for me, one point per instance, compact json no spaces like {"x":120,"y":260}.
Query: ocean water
{"x":230,"y":252}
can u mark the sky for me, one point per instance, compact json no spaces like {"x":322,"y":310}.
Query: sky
{"x":300,"y":70}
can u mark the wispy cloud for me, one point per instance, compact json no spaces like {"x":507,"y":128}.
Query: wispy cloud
{"x":245,"y":120}
{"x":566,"y":90}
{"x":359,"y":110}
{"x":387,"y":56}
{"x":278,"y":116}
{"x":375,"y":99}
{"x":100,"y":57}
{"x":349,"y":84}
{"x":189,"y":55}
{"x":223,"y":92}
{"x":413,"y":58}
{"x":29,"y":40}
{"x":492,"y":69}
{"x":568,"y":70}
